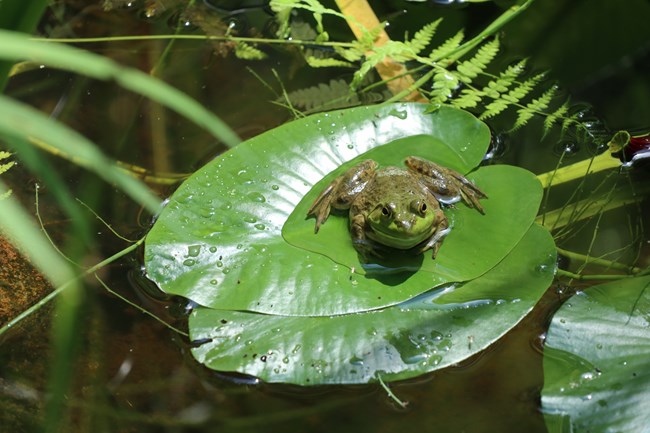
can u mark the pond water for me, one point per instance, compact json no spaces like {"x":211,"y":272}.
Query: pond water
{"x":131,"y":373}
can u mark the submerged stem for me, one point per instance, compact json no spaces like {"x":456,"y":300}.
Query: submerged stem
{"x":54,"y":293}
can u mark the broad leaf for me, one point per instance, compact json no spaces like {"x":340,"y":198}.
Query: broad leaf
{"x":435,"y":330}
{"x":597,"y":360}
{"x":219,"y":240}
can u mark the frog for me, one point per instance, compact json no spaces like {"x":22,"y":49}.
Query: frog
{"x":393,"y":209}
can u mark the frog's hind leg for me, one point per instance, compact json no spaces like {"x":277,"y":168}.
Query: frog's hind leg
{"x":321,"y":207}
{"x":341,"y":192}
{"x":445,"y":183}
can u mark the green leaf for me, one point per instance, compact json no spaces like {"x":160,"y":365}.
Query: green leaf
{"x":469,"y":69}
{"x":536,"y":106}
{"x":560,"y":113}
{"x":597,"y":359}
{"x":422,"y":37}
{"x":449,"y":45}
{"x":431,"y":332}
{"x":220,"y":240}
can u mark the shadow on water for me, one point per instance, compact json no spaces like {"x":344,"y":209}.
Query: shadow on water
{"x":393,"y":271}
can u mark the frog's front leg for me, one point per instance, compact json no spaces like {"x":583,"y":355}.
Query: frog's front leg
{"x":342,"y":191}
{"x":444,"y":182}
{"x":435,"y":241}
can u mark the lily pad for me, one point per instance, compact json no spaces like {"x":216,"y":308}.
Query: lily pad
{"x":432,"y":331}
{"x":219,"y":241}
{"x":597,"y":360}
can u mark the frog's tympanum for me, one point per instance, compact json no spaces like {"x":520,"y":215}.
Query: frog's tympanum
{"x":395,"y":208}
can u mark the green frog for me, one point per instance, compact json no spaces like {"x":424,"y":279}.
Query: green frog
{"x":395,"y":208}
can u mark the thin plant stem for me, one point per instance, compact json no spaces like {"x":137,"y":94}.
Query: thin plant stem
{"x":198,"y":37}
{"x":54,"y":293}
{"x":139,"y":308}
{"x":583,"y":277}
{"x":598,"y":261}
{"x":392,"y":395}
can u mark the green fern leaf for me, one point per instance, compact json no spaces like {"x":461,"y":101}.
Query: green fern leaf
{"x":318,"y":61}
{"x":396,"y":50}
{"x":449,"y":45}
{"x":422,"y":37}
{"x":470,"y":69}
{"x":540,"y":104}
{"x":506,"y":79}
{"x":3,"y":168}
{"x":353,"y":54}
{"x":368,"y":37}
{"x":282,"y":9}
{"x":336,"y":94}
{"x":555,"y":116}
{"x":520,"y":92}
{"x":567,"y":122}
{"x":366,"y":66}
{"x":7,"y":165}
{"x":515,"y":70}
{"x":536,"y":106}
{"x":248,"y":52}
{"x":493,"y":108}
{"x":468,"y":98}
{"x":444,"y":83}
{"x":523,"y":116}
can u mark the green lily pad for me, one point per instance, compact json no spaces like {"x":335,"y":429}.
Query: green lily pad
{"x":597,"y":360}
{"x":432,"y":331}
{"x":219,"y":241}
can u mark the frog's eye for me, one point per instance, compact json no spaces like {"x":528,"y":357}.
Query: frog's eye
{"x":419,"y":207}
{"x":385,"y":211}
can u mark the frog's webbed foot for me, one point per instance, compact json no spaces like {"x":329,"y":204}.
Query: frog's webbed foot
{"x":444,"y":182}
{"x":321,"y":207}
{"x":435,"y":241}
{"x":341,"y":192}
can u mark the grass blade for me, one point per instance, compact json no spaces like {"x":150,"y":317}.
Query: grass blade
{"x":27,"y":123}
{"x":17,"y":47}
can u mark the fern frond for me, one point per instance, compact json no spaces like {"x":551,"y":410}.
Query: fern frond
{"x":396,"y":50}
{"x":511,"y":98}
{"x":353,"y":54}
{"x":557,"y":114}
{"x":3,"y":168}
{"x":515,"y":70}
{"x":282,"y":9}
{"x":496,"y":87}
{"x":493,"y":108}
{"x":369,"y":37}
{"x":540,"y":104}
{"x":7,"y":165}
{"x":248,"y":52}
{"x":468,"y":98}
{"x":536,"y":106}
{"x":568,"y":121}
{"x":444,"y":84}
{"x":319,"y":61}
{"x":336,"y":94}
{"x":446,"y":47}
{"x":469,"y":69}
{"x":518,"y":93}
{"x":422,"y":37}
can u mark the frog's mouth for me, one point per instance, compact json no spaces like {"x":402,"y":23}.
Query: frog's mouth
{"x":400,"y":239}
